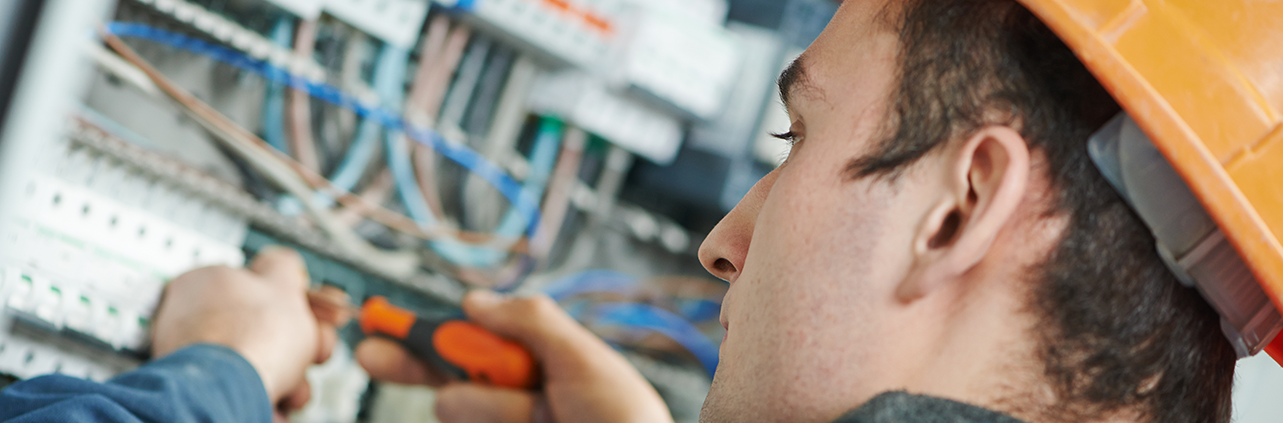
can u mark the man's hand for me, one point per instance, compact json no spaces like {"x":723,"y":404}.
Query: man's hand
{"x":261,"y":313}
{"x":584,"y":380}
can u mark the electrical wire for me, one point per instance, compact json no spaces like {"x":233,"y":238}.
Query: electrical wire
{"x":543,"y":156}
{"x":115,"y":128}
{"x":407,"y":185}
{"x":398,"y":154}
{"x":629,"y":315}
{"x":456,"y":102}
{"x":274,"y":103}
{"x":274,"y":113}
{"x":586,"y":248}
{"x":376,"y":192}
{"x":431,"y":79}
{"x":520,"y":200}
{"x":558,"y":201}
{"x":433,"y":60}
{"x":303,"y":143}
{"x":650,"y":318}
{"x":483,"y":104}
{"x":483,"y":204}
{"x":260,"y":155}
{"x":429,"y":102}
{"x":247,"y":144}
{"x":344,"y":126}
{"x":591,"y":281}
{"x":355,"y":50}
{"x":430,"y":98}
{"x":457,"y":98}
{"x":431,"y":45}
{"x":430,"y":63}
{"x":389,"y":74}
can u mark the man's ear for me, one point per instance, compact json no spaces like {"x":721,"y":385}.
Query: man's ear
{"x":983,"y":183}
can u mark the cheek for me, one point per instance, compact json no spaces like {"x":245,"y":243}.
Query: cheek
{"x":814,"y":244}
{"x":809,"y":294}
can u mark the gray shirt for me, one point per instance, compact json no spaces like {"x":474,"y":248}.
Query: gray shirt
{"x":902,"y":407}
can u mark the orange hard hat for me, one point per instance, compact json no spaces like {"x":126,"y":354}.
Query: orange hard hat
{"x":1203,"y":80}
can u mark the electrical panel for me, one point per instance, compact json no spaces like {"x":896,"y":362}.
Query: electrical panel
{"x":686,"y":63}
{"x":90,"y":246}
{"x":306,"y":9}
{"x":641,"y":128}
{"x":412,"y":149}
{"x":396,"y":22}
{"x":236,"y":36}
{"x":578,"y":34}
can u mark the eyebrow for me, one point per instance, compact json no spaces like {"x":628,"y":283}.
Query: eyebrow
{"x":793,"y":77}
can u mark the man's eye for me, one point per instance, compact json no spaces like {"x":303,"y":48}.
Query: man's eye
{"x":788,"y":137}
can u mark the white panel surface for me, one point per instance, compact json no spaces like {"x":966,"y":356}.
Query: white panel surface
{"x":396,"y":22}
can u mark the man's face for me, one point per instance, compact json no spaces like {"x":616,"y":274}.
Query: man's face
{"x":811,"y":254}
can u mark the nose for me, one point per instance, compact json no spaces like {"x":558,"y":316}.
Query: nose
{"x":724,"y":251}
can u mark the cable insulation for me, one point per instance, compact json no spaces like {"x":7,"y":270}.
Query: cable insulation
{"x":525,"y":204}
{"x":280,"y":167}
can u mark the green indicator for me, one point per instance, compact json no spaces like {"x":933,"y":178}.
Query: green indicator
{"x":111,"y":310}
{"x":84,"y":299}
{"x":142,"y":321}
{"x":55,"y":290}
{"x":26,"y":277}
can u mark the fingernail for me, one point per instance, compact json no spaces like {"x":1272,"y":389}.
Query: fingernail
{"x":484,"y":298}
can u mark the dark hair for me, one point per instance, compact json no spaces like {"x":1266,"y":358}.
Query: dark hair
{"x":1116,"y":330}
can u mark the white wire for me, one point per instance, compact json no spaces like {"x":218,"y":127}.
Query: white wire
{"x":398,"y":263}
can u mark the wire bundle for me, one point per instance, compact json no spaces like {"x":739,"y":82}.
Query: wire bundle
{"x":525,"y":201}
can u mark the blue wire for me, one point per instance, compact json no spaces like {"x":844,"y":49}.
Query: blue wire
{"x":115,"y":128}
{"x":274,"y":114}
{"x":648,"y":317}
{"x":591,"y":281}
{"x":542,"y":158}
{"x":636,"y":316}
{"x":524,"y":203}
{"x":697,"y":310}
{"x":274,"y":104}
{"x":389,"y":75}
{"x":691,"y":309}
{"x":389,"y":82}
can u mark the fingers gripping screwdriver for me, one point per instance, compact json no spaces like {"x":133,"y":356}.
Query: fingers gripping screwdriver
{"x":456,"y":347}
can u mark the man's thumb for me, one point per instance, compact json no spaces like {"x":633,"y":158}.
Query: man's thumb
{"x":536,"y":322}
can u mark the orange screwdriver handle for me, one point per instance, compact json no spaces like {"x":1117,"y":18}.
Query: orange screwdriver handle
{"x":455,"y":347}
{"x":484,"y":356}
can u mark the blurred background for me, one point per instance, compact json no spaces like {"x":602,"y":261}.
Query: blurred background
{"x":411,"y":149}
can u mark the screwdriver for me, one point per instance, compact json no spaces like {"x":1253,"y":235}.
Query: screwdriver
{"x":455,"y":347}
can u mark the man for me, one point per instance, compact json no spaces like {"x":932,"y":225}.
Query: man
{"x":937,"y":248}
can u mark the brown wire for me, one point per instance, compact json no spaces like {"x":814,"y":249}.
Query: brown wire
{"x":374,"y":212}
{"x":303,"y":143}
{"x":558,"y":203}
{"x":429,"y":103}
{"x":378,"y":191}
{"x":421,"y":88}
